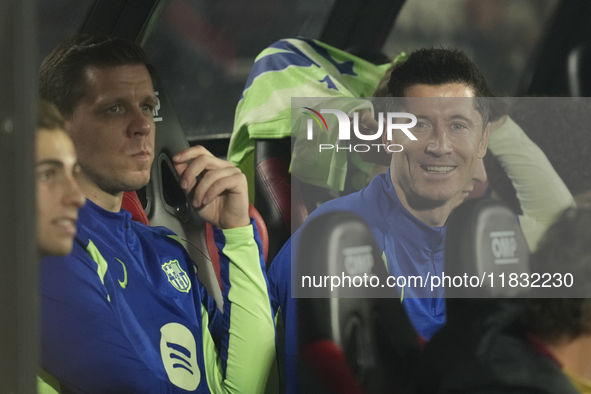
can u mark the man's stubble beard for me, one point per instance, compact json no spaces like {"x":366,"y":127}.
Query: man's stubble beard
{"x":115,"y":185}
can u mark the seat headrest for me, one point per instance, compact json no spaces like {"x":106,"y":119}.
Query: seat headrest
{"x":279,"y":203}
{"x":484,"y":239}
{"x":340,"y":245}
{"x":374,"y":333}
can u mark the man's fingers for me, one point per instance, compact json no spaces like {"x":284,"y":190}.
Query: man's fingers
{"x":215,"y":182}
{"x":198,"y":166}
{"x":180,"y":167}
{"x":231,"y":183}
{"x":206,"y":179}
{"x":190,"y":153}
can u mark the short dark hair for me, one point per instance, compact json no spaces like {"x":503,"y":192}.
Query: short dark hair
{"x":557,"y":319}
{"x":564,"y":249}
{"x":49,"y":117}
{"x":62,"y":74}
{"x":439,"y":66}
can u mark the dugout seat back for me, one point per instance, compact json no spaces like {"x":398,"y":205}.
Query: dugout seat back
{"x":165,"y":204}
{"x":483,"y":239}
{"x":280,"y":205}
{"x":132,"y":204}
{"x":349,"y":343}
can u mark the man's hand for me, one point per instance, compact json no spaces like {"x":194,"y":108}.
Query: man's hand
{"x":216,"y":188}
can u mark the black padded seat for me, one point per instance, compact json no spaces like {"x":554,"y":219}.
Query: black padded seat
{"x":373,"y":335}
{"x":483,"y":239}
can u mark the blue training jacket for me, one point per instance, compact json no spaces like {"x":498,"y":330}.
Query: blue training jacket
{"x":410,"y":246}
{"x":125,"y":313}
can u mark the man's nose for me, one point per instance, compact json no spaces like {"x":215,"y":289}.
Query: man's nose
{"x":142,"y":123}
{"x":439,"y":144}
{"x":480,"y":173}
{"x":73,"y":195}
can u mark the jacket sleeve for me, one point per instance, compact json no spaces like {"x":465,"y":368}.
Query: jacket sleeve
{"x":247,"y":326}
{"x":541,"y":193}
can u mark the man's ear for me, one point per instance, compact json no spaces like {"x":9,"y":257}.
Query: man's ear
{"x":385,"y":135}
{"x":483,"y":144}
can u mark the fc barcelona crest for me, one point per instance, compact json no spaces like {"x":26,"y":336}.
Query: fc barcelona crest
{"x":176,"y":276}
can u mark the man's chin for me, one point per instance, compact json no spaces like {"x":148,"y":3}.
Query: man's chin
{"x":438,"y":195}
{"x":136,"y":185}
{"x":134,"y":181}
{"x":56,"y":247}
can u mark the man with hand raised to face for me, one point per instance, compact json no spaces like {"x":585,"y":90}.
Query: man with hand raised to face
{"x":125,"y":311}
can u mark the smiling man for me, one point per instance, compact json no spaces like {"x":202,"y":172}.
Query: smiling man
{"x":407,"y":207}
{"x":452,"y":138}
{"x":125,"y":312}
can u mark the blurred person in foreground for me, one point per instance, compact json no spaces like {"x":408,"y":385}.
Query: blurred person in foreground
{"x":58,"y":195}
{"x":535,"y":345}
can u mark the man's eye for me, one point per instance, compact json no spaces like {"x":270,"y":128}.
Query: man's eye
{"x":148,"y":107}
{"x":458,"y":126}
{"x":421,"y":125}
{"x":114,"y":109}
{"x":47,"y":175}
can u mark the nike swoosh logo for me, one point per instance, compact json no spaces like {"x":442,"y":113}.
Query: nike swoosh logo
{"x":124,"y":283}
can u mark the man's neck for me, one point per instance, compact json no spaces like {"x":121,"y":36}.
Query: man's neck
{"x":98,"y":196}
{"x":574,"y":355}
{"x":431,"y":214}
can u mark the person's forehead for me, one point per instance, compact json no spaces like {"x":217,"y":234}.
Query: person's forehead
{"x":443,"y":90}
{"x":448,"y":100}
{"x":54,"y":145}
{"x":118,"y":79}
